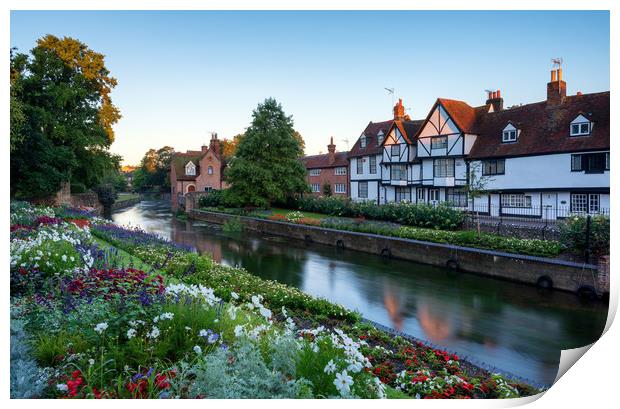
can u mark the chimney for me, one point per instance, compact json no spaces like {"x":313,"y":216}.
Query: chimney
{"x":331,"y":149}
{"x":556,"y":89}
{"x":399,"y":110}
{"x":214,"y":145}
{"x":495,"y":99}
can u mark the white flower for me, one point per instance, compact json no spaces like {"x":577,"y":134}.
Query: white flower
{"x":64,"y":257}
{"x":343,"y":382}
{"x":91,"y":362}
{"x":355,"y":367}
{"x":239,"y":330}
{"x":197,"y":349}
{"x":102,"y":326}
{"x":203,"y":333}
{"x":417,"y":396}
{"x":330,"y":367}
{"x":265,"y":312}
{"x":131,"y":332}
{"x":62,"y":387}
{"x":72,"y":258}
{"x":188,"y":329}
{"x":154,"y":333}
{"x":234,"y":295}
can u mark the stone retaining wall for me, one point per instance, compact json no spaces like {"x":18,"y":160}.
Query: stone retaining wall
{"x":557,"y":274}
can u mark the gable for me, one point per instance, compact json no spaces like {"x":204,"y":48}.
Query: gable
{"x":580,"y":119}
{"x":438,"y":122}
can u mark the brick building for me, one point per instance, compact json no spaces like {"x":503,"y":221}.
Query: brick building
{"x":329,"y":169}
{"x":197,"y":171}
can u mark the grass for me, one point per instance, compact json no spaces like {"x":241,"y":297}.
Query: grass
{"x":284,"y":212}
{"x":122,"y":197}
{"x":125,"y":258}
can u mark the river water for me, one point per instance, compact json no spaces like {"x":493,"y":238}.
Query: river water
{"x":514,"y":327}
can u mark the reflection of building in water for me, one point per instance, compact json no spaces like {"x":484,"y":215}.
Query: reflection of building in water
{"x":393,"y":305}
{"x":436,"y":328}
{"x":189,"y":236}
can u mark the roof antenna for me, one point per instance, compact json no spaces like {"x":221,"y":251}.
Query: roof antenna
{"x":557,"y":62}
{"x":391,"y":91}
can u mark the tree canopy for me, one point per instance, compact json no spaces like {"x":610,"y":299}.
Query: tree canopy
{"x":154,"y":169}
{"x":266,"y":165}
{"x":61,"y":117}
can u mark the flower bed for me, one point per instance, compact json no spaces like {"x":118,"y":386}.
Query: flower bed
{"x":94,"y":329}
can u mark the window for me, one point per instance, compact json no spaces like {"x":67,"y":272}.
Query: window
{"x":439,"y":142}
{"x":516,"y":200}
{"x":420,"y":194}
{"x":443,"y":168}
{"x":360,"y":166}
{"x":373,"y":164}
{"x":315,"y":172}
{"x":402,"y":194}
{"x":580,"y":129}
{"x":395,"y":150}
{"x":316,"y":187}
{"x":379,"y":138}
{"x":590,"y":162}
{"x":585,"y":202}
{"x":457,"y":197}
{"x":210,"y":170}
{"x":208,"y":188}
{"x":190,"y":169}
{"x":362,"y":190}
{"x":362,"y":141}
{"x":509,"y":136}
{"x":433,"y":195}
{"x":340,"y":171}
{"x":398,"y":172}
{"x":493,"y":167}
{"x":340,"y":188}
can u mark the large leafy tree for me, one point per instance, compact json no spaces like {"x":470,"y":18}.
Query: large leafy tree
{"x":62,"y":89}
{"x":154,"y":169}
{"x":266,"y":165}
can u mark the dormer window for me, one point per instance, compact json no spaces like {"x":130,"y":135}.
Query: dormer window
{"x":580,"y":126}
{"x":379,"y":138}
{"x":190,"y":169}
{"x":510,"y":134}
{"x":363,"y":141}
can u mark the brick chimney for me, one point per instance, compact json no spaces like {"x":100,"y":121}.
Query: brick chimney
{"x":331,"y":149}
{"x":556,"y":88}
{"x":399,"y":110}
{"x":214,"y":144}
{"x":495,"y":99}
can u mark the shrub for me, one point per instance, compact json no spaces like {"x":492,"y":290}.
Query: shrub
{"x":233,"y":225}
{"x":78,"y":188}
{"x":27,"y":379}
{"x":421,"y":215}
{"x":213,"y":199}
{"x":574,"y":237}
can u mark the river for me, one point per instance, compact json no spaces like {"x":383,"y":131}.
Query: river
{"x":514,"y":327}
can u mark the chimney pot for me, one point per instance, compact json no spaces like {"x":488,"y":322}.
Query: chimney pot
{"x":553,"y":75}
{"x":499,"y":94}
{"x":559,"y":74}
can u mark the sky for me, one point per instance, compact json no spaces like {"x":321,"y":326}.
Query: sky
{"x":184,"y":74}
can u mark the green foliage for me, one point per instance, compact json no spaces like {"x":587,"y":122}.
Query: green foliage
{"x":215,"y":198}
{"x":573,"y":234}
{"x":107,"y":194}
{"x":266,"y":165}
{"x":61,"y":91}
{"x":421,"y":215}
{"x":327,"y":189}
{"x":51,"y":257}
{"x":233,"y":225}
{"x":28,"y":380}
{"x":78,"y":188}
{"x":154,"y":169}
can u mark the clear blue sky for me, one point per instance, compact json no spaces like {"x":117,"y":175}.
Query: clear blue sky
{"x":183,"y":74}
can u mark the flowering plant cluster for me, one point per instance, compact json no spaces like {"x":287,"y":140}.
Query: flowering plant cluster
{"x":190,"y":328}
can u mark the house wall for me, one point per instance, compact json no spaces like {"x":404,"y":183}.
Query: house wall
{"x":205,"y":180}
{"x":328,"y":175}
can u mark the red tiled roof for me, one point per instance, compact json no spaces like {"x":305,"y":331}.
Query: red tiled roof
{"x":409,"y":129}
{"x":463,"y":115}
{"x":322,"y":161}
{"x":544,"y":128}
{"x":371,"y":131}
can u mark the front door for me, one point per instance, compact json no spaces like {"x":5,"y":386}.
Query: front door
{"x":549,"y":207}
{"x":433,"y":196}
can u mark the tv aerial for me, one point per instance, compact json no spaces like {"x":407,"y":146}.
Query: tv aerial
{"x":557,"y":62}
{"x":391,"y":91}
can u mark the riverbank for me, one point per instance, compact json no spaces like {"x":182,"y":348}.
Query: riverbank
{"x":266,"y":312}
{"x":546,"y":272}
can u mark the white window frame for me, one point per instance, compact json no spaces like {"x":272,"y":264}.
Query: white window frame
{"x":380,"y":137}
{"x":445,"y":167}
{"x":190,"y":169}
{"x":433,"y":195}
{"x":340,"y":188}
{"x":314,"y":172}
{"x":372,"y":165}
{"x":585,"y":203}
{"x":402,"y":172}
{"x":397,"y":146}
{"x":340,"y":171}
{"x":516,"y":200}
{"x":316,"y":187}
{"x":509,"y":136}
{"x":362,"y":190}
{"x":359,"y":165}
{"x":420,"y":194}
{"x":362,"y":141}
{"x":210,"y":170}
{"x":583,"y":128}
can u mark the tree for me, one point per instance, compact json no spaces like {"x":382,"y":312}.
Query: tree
{"x":327,"y":189}
{"x":229,"y":146}
{"x":154,"y":169}
{"x":476,"y":188}
{"x":266,"y":165}
{"x":62,"y":89}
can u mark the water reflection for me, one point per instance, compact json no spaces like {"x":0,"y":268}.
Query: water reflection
{"x":511,"y":326}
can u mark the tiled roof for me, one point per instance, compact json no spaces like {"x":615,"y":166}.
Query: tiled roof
{"x":371,"y":131}
{"x":544,"y":128}
{"x":322,"y":161}
{"x":179,"y":160}
{"x":463,"y":115}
